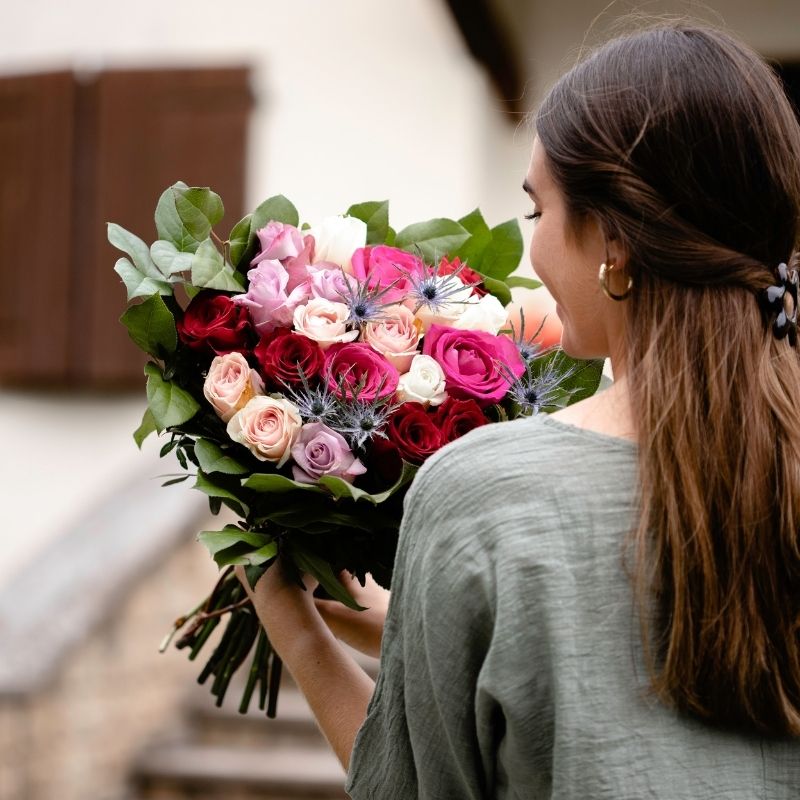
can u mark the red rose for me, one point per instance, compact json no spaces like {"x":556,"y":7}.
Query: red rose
{"x":457,"y":417}
{"x":283,"y":354}
{"x":213,"y":322}
{"x":384,"y":461}
{"x":414,"y":432}
{"x":466,"y":275}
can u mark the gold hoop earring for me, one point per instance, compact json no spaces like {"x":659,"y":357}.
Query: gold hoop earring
{"x":602,"y":276}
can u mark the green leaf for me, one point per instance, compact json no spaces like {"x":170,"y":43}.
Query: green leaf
{"x":239,"y":239}
{"x":518,"y":282}
{"x":432,"y":239}
{"x":191,"y":291}
{"x":503,"y":254}
{"x":147,"y":426}
{"x":212,"y":458}
{"x":137,"y":283}
{"x":216,"y":541}
{"x":498,"y":288}
{"x":276,"y":208}
{"x":207,"y":486}
{"x":321,"y":570}
{"x":391,"y":236}
{"x":209,"y":270}
{"x":471,"y":252}
{"x":169,"y":259}
{"x":277,"y":484}
{"x":169,"y":404}
{"x":242,"y":554}
{"x":138,"y":251}
{"x":152,"y":327}
{"x":185,"y":215}
{"x":342,"y":489}
{"x":376,"y":215}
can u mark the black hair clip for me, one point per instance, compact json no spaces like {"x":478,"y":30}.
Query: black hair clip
{"x":781,"y":300}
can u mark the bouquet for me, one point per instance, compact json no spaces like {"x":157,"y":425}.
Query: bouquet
{"x":302,"y":374}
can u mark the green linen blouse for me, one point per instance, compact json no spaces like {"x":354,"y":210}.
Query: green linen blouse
{"x":511,"y":663}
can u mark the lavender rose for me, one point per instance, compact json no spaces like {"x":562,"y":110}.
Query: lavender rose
{"x":270,"y":304}
{"x":320,"y":451}
{"x":469,"y":361}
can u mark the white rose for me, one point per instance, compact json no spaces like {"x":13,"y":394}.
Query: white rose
{"x":488,"y":314}
{"x":324,"y":321}
{"x":423,"y":383}
{"x":458,"y":299}
{"x":230,"y":384}
{"x":268,"y":427}
{"x":337,"y":238}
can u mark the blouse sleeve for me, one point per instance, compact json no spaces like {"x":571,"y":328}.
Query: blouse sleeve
{"x":425,"y":731}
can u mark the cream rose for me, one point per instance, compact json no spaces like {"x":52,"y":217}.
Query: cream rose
{"x":488,"y":314}
{"x":337,"y":238}
{"x":396,"y":337}
{"x":459,"y":298}
{"x":324,"y":321}
{"x":268,"y":427}
{"x":423,"y":383}
{"x":230,"y":384}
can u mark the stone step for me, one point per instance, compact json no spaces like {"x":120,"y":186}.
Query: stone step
{"x":175,"y":771}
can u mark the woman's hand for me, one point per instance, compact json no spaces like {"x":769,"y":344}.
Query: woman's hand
{"x":360,"y":629}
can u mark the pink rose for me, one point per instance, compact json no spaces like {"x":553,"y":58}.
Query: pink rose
{"x":383,"y":266}
{"x":396,"y":337}
{"x":330,"y":282}
{"x":469,"y":361}
{"x":285,"y":243}
{"x":358,"y":365}
{"x":298,"y":266}
{"x":268,"y":427}
{"x":268,"y":300}
{"x":230,"y":384}
{"x":324,"y":322}
{"x":320,"y":451}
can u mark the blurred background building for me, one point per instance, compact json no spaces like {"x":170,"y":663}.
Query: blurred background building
{"x":102,"y":105}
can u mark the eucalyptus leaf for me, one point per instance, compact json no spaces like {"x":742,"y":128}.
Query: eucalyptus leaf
{"x":152,"y":327}
{"x":518,"y":282}
{"x":138,"y":251}
{"x":169,"y":259}
{"x":185,"y":215}
{"x":169,"y":404}
{"x":146,"y":427}
{"x":321,"y":570}
{"x":432,"y":239}
{"x":212,"y":458}
{"x":239,"y":239}
{"x":137,"y":284}
{"x":209,"y":270}
{"x":503,"y":254}
{"x":207,"y":486}
{"x":376,"y":215}
{"x":277,"y":208}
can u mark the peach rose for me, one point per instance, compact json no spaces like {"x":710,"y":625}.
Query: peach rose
{"x":268,"y":426}
{"x":230,"y":384}
{"x":396,"y":337}
{"x":324,"y":321}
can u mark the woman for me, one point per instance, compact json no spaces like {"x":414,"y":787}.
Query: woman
{"x":605,"y":603}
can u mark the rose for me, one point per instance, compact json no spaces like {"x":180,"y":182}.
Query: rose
{"x":396,"y":337}
{"x":457,"y":417}
{"x":469,"y":360}
{"x":324,"y":321}
{"x":358,"y":367}
{"x":455,"y":299}
{"x":466,"y":275}
{"x":423,"y":383}
{"x":414,"y":432}
{"x":337,"y":238}
{"x":268,"y":427}
{"x":283,"y":356}
{"x":320,"y":451}
{"x":330,"y":283}
{"x":383,"y":266}
{"x":213,"y":322}
{"x":487,"y":315}
{"x":268,"y":300}
{"x":285,"y":243}
{"x":230,"y":384}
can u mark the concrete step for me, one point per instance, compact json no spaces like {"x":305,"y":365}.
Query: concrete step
{"x":215,"y":772}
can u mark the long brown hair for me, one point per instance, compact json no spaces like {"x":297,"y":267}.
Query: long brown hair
{"x":680,"y":142}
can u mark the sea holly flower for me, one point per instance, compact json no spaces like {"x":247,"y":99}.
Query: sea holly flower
{"x":315,"y":403}
{"x":360,"y":421}
{"x":538,"y":386}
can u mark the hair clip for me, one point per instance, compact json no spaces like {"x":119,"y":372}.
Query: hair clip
{"x":781,"y":300}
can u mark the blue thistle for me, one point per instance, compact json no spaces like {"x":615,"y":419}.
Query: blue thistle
{"x":364,"y":302}
{"x":433,"y":290}
{"x":528,"y":350}
{"x":317,"y":404}
{"x":360,"y":420}
{"x":537,"y":388}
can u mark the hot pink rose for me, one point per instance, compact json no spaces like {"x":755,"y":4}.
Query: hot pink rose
{"x":357,"y":363}
{"x":270,"y":304}
{"x":320,"y":451}
{"x":383,"y":266}
{"x":469,"y":361}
